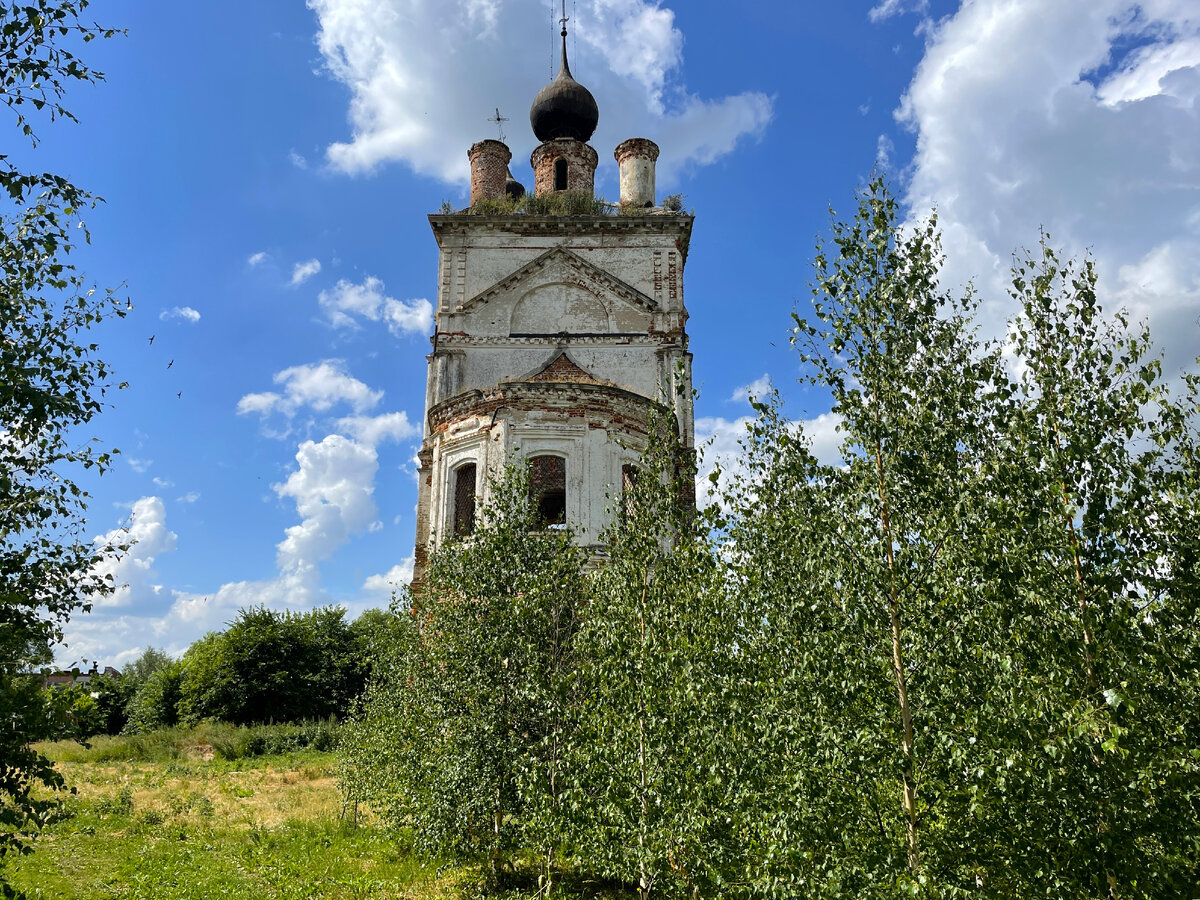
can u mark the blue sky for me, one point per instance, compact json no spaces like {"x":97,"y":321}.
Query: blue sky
{"x":267,"y":169}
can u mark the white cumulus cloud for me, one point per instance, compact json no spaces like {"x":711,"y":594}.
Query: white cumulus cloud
{"x":758,"y":389}
{"x":888,"y":8}
{"x":318,"y":386}
{"x":1032,"y":115}
{"x":332,"y":486}
{"x":373,"y":430}
{"x":169,"y":619}
{"x":180,"y":314}
{"x":384,"y":585}
{"x":256,"y":259}
{"x":131,"y":571}
{"x":302,"y":271}
{"x":425,"y":75}
{"x":345,"y":301}
{"x":719,"y":442}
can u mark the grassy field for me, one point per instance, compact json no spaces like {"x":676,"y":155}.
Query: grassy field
{"x":170,"y":817}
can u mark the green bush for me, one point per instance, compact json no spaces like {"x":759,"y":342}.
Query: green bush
{"x":156,"y":703}
{"x":170,"y":745}
{"x":118,"y":804}
{"x":272,"y":740}
{"x":274,"y":667}
{"x":151,"y":817}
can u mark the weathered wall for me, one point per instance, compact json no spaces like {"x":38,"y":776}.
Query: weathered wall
{"x":514,"y":293}
{"x":596,"y":430}
{"x":646,"y":252}
{"x":489,"y":170}
{"x":635,"y":158}
{"x":581,"y":162}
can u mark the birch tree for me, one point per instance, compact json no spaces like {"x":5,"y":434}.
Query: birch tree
{"x":52,"y":384}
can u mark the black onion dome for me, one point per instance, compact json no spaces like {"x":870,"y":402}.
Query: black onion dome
{"x":513,"y":188}
{"x":564,"y":108}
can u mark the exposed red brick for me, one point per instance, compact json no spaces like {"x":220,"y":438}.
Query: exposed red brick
{"x":489,"y":170}
{"x":640,"y":148}
{"x":581,"y":166}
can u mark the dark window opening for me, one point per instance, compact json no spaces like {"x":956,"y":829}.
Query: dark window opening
{"x":629,"y":474}
{"x":548,"y":489}
{"x":464,"y":500}
{"x":560,"y":174}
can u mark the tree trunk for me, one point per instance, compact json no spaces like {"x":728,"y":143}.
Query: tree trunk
{"x":643,"y":875}
{"x":909,"y":789}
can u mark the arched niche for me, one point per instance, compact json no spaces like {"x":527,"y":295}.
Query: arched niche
{"x":552,"y":308}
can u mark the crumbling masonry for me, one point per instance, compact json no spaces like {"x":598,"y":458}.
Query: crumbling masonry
{"x":556,"y":335}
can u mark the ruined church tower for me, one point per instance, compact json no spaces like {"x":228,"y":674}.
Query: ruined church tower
{"x":557,"y":334}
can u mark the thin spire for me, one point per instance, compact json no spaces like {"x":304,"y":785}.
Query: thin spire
{"x":565,"y":18}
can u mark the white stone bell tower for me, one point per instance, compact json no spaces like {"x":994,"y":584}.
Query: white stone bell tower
{"x":556,"y":335}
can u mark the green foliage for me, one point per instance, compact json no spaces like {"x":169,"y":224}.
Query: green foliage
{"x":977,"y":662}
{"x":111,"y":696}
{"x":84,"y":710}
{"x":272,"y":740}
{"x":119,"y":803}
{"x":155,"y":705}
{"x":273,"y":667}
{"x":673,"y":202}
{"x":51,"y":383}
{"x":471,"y":694}
{"x":148,"y":690}
{"x":653,"y":749}
{"x":963,"y":661}
{"x":373,"y":633}
{"x":136,"y":673}
{"x":225,"y":741}
{"x":559,"y":203}
{"x":36,"y":68}
{"x":1097,"y":458}
{"x":887,"y":600}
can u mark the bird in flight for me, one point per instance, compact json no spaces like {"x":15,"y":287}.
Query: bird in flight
{"x":179,"y":396}
{"x":171,"y":363}
{"x":152,"y":340}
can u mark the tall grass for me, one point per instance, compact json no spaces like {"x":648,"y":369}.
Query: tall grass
{"x":560,"y":203}
{"x":220,"y":739}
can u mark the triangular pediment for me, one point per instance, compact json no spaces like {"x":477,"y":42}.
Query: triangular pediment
{"x":561,"y":369}
{"x":555,"y":264}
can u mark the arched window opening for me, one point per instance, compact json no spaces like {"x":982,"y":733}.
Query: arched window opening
{"x":560,"y":174}
{"x":464,"y":500}
{"x":629,"y":474}
{"x":548,"y":489}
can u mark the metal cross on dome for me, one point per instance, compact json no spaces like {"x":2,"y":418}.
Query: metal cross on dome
{"x":499,"y":120}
